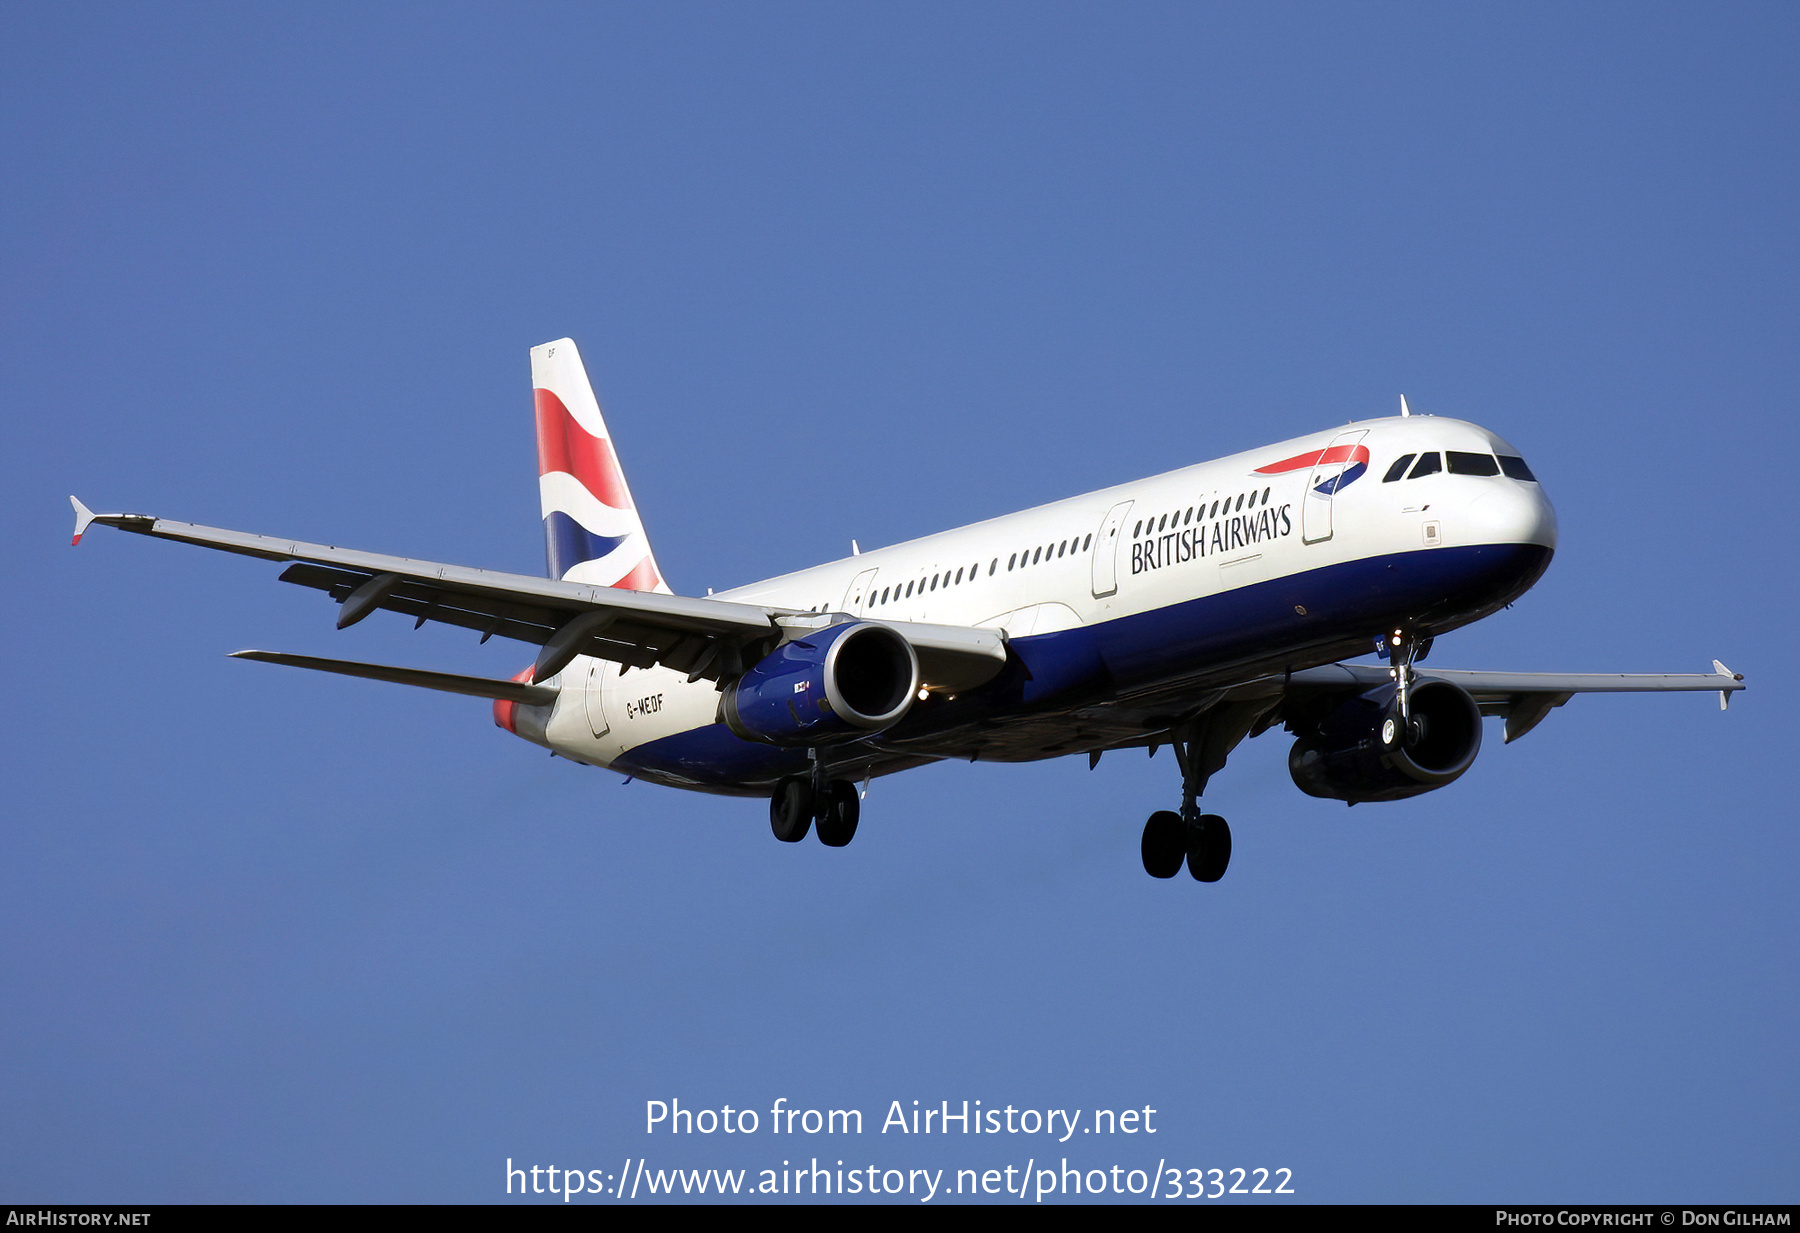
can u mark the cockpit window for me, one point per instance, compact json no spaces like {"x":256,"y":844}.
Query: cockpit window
{"x":1428,"y":464}
{"x":1398,"y":469}
{"x":1514,"y":467}
{"x":1472,"y":464}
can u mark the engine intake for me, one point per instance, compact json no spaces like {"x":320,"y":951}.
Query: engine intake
{"x":835,"y":684}
{"x":1347,"y":759}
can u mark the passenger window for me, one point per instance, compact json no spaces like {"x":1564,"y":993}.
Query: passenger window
{"x":959,"y":574}
{"x":934,"y":582}
{"x":1011,"y":561}
{"x":1428,"y":464}
{"x":1266,"y":493}
{"x":1240,"y":503}
{"x":1086,"y":542}
{"x":1037,"y":556}
{"x":1398,"y":469}
{"x":1138,"y":529}
{"x":1472,"y":464}
{"x":994,"y":566}
{"x":1514,"y":468}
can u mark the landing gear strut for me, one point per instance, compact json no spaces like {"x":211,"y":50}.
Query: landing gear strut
{"x":799,"y":800}
{"x":1403,"y":649}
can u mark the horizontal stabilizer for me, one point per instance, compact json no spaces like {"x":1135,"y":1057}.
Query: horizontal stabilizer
{"x":448,"y":682}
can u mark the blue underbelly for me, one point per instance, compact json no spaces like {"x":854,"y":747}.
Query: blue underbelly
{"x":1436,"y":590}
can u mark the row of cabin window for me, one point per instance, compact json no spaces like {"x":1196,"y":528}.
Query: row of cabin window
{"x":1180,"y":520}
{"x":1018,"y":560}
{"x":1049,"y":552}
{"x":1510,"y":465}
{"x":897,"y":592}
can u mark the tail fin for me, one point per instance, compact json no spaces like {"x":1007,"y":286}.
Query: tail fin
{"x":592,"y":532}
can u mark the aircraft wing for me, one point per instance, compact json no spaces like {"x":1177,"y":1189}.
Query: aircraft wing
{"x":708,"y":638}
{"x":1524,"y":698}
{"x":1229,"y":714}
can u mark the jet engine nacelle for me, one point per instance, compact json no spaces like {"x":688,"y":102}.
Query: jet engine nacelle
{"x":834,"y":684}
{"x":1347,"y":759}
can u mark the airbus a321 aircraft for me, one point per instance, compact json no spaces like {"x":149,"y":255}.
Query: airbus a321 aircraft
{"x":1191,"y":610}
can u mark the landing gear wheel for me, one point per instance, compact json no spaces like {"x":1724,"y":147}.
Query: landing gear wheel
{"x":837,"y":824}
{"x":1165,"y":843}
{"x":791,"y":809}
{"x":1208,"y":848}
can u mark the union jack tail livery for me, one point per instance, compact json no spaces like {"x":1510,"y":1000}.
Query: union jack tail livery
{"x":592,"y":532}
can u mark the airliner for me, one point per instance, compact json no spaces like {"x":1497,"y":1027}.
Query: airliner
{"x":1190,"y":610}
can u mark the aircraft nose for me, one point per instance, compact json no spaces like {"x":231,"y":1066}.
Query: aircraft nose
{"x":1514,"y":512}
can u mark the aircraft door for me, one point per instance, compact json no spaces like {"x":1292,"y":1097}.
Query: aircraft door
{"x":1106,"y":550}
{"x":1337,"y":465}
{"x":855,"y":599}
{"x":592,"y":696}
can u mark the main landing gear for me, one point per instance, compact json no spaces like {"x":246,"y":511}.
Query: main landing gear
{"x":1202,"y":841}
{"x":800,"y":800}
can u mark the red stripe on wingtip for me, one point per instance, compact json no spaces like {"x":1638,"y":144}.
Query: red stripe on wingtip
{"x":1337,"y":453}
{"x":564,"y":445}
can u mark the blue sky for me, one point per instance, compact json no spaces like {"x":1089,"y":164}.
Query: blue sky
{"x":873,"y":271}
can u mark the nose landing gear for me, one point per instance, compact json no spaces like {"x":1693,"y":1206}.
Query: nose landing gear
{"x":1403,"y":650}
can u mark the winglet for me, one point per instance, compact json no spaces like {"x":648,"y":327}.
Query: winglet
{"x":1725,"y":694}
{"x":1404,"y":409}
{"x":83,"y":516}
